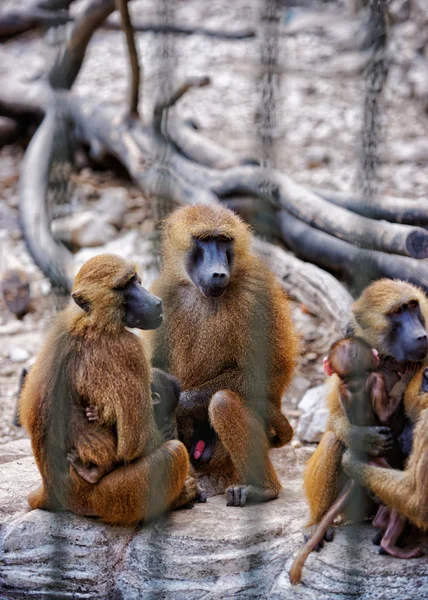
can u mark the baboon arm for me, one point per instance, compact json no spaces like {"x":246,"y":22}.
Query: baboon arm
{"x":342,"y":428}
{"x":130,"y":425}
{"x":406,"y":491}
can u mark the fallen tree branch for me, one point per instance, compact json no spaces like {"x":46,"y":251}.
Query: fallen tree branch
{"x":14,"y":23}
{"x":133,"y":57}
{"x":198,"y":148}
{"x":148,"y":27}
{"x":48,"y":146}
{"x":68,"y":65}
{"x":389,"y":208}
{"x":360,"y":266}
{"x":321,"y":214}
{"x":167,"y":174}
{"x":318,"y":290}
{"x":165,"y":103}
{"x":261,"y":217}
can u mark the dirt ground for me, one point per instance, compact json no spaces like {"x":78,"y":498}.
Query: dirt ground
{"x":319,"y":100}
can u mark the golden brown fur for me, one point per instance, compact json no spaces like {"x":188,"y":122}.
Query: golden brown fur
{"x":90,"y":358}
{"x":240,"y":350}
{"x":324,"y":476}
{"x":405,"y":491}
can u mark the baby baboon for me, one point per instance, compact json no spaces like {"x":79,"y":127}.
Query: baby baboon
{"x":365,"y":402}
{"x":390,"y":316}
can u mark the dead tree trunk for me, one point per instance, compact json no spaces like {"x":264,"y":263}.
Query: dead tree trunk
{"x":172,"y":161}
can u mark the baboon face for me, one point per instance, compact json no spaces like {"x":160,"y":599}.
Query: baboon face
{"x":143,"y":310}
{"x":408,"y":339}
{"x":424,"y":382}
{"x":209,"y":264}
{"x":109,"y":290}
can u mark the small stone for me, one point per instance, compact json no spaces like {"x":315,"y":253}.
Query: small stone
{"x":312,"y":356}
{"x":17,"y":354}
{"x":45,"y":287}
{"x":296,"y":444}
{"x":317,"y":426}
{"x":317,"y":156}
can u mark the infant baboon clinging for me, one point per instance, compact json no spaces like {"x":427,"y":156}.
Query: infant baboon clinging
{"x":363,"y":397}
{"x":91,"y":359}
{"x":390,"y":315}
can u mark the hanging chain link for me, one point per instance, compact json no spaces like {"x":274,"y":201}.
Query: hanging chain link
{"x":269,"y":79}
{"x":375,"y":77}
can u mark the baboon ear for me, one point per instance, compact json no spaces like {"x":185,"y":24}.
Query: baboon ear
{"x":81,"y":301}
{"x":156,"y":399}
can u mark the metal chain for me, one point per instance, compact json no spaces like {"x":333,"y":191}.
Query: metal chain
{"x":269,"y":79}
{"x":375,"y":77}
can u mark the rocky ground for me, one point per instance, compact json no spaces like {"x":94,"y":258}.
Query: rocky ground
{"x":212,"y":551}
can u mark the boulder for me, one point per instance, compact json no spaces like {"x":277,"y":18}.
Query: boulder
{"x":314,"y":398}
{"x":212,"y":551}
{"x":313,"y":420}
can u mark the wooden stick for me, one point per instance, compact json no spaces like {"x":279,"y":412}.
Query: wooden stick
{"x":67,"y":68}
{"x":142,"y":27}
{"x":134,"y":92}
{"x":162,"y":105}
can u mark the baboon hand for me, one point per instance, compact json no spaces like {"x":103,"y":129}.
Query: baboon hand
{"x":375,"y":441}
{"x":91,"y":414}
{"x":236,"y":495}
{"x":410,"y":369}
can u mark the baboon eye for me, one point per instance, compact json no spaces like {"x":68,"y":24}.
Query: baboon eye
{"x":413,"y":304}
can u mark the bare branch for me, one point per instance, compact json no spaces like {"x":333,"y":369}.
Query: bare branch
{"x":69,"y":63}
{"x":134,"y":92}
{"x":238,"y":34}
{"x":165,"y":103}
{"x":315,"y":211}
{"x":16,"y":22}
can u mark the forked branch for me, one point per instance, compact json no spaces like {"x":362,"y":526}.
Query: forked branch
{"x":165,"y":103}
